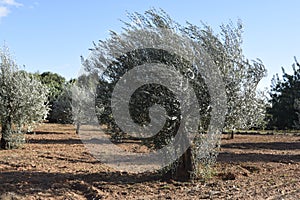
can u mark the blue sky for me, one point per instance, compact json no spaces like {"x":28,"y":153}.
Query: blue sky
{"x":51,"y":35}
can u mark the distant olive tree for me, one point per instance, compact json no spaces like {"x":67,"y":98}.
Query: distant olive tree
{"x":240,"y":76}
{"x":74,"y":98}
{"x":83,"y":95}
{"x":23,"y":101}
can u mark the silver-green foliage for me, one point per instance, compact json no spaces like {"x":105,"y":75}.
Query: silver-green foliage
{"x":74,"y":101}
{"x":23,"y":99}
{"x":246,"y":108}
{"x":82,"y":99}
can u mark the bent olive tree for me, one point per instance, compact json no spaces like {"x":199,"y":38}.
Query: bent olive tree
{"x":240,"y":77}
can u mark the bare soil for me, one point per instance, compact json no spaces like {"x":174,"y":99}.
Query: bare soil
{"x":54,"y":164}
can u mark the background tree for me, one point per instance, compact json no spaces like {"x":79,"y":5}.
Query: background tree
{"x":72,"y":101}
{"x":284,"y":100}
{"x":245,"y":108}
{"x":82,"y":97}
{"x":56,"y":84}
{"x":62,"y":106}
{"x":23,"y":100}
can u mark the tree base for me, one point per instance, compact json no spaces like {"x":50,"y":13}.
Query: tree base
{"x":4,"y":144}
{"x":185,"y":167}
{"x":14,"y":142}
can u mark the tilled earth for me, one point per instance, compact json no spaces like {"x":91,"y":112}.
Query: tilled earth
{"x":54,"y":164}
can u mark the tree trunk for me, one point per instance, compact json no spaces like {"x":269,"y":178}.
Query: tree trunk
{"x":6,"y":132}
{"x":185,"y":167}
{"x":232,"y":135}
{"x":77,"y":128}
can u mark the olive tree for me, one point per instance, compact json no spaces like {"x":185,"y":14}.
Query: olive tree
{"x":74,"y":98}
{"x":23,"y":100}
{"x":240,"y":77}
{"x":83,"y":96}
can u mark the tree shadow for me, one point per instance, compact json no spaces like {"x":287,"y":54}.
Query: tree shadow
{"x":68,"y":159}
{"x":227,"y":157}
{"x":53,"y":141}
{"x":57,"y":184}
{"x":45,"y":133}
{"x":266,"y":145}
{"x":68,"y":141}
{"x":260,"y":157}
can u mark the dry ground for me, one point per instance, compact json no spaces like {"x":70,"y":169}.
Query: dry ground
{"x":54,"y":164}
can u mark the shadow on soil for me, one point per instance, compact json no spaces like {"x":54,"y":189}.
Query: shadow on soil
{"x":46,"y":133}
{"x":255,"y":157}
{"x":58,"y":184}
{"x":52,"y":141}
{"x":68,"y":141}
{"x":270,"y":146}
{"x":260,"y":157}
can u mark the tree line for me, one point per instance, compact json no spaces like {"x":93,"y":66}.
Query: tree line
{"x":282,"y":106}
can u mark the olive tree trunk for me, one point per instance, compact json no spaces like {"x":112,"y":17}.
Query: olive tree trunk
{"x":77,"y":127}
{"x":185,"y":167}
{"x":6,"y":132}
